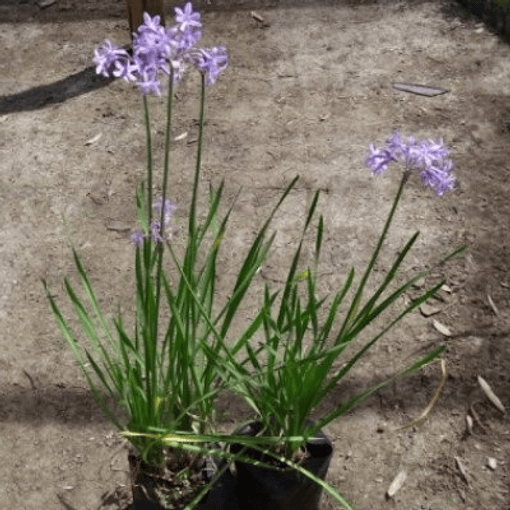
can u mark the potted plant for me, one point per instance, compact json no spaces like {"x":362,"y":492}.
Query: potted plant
{"x":157,"y":374}
{"x":281,"y":455}
{"x":158,"y":381}
{"x":303,"y":345}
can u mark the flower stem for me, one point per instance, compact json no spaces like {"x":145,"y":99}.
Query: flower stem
{"x":357,"y":299}
{"x":192,"y":216}
{"x":149,"y":327}
{"x":149,"y":158}
{"x":166,"y":167}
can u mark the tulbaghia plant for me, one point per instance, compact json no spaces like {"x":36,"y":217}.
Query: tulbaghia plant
{"x":157,"y":374}
{"x":158,"y":380}
{"x":299,"y":363}
{"x":303,"y":342}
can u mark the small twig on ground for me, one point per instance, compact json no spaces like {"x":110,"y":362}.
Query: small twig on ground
{"x":34,"y":387}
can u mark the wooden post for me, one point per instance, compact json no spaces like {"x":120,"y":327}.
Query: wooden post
{"x":136,"y":8}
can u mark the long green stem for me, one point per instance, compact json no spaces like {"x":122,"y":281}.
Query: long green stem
{"x":166,"y":165}
{"x":166,"y":168}
{"x":192,"y":215}
{"x":149,"y":158}
{"x":356,"y":301}
{"x":147,"y":328}
{"x":193,"y":241}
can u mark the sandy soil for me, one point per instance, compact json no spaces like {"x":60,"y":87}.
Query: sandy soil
{"x":306,"y":92}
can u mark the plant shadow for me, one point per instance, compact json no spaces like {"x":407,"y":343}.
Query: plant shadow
{"x":46,"y":95}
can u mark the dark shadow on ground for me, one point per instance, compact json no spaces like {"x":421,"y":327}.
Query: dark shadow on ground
{"x":71,"y":404}
{"x":57,"y":92}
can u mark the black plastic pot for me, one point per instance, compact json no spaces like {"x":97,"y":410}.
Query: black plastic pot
{"x":282,"y":488}
{"x":148,"y":483}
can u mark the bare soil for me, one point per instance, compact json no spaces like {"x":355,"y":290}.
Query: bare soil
{"x":308,"y":88}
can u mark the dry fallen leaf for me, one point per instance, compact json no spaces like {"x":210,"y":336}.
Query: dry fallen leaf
{"x":421,"y":90}
{"x":446,"y":289}
{"x":257,"y":16}
{"x":461,"y":469}
{"x":469,"y":424}
{"x":492,"y":463}
{"x":441,"y":328}
{"x":492,"y":305}
{"x":182,"y":136}
{"x":428,"y":310}
{"x":426,"y":411}
{"x":396,"y":484}
{"x":93,"y":139}
{"x":490,"y":394}
{"x":43,"y":4}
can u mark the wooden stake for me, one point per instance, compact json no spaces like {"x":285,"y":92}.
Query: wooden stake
{"x":136,"y":8}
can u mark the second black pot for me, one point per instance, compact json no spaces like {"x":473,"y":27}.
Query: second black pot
{"x":150,"y":487}
{"x":282,"y":488}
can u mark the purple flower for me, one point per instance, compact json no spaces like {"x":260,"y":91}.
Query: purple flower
{"x":124,"y":68}
{"x":212,"y":62}
{"x":395,"y":142}
{"x":187,"y":39}
{"x":152,"y":40}
{"x":156,"y":228}
{"x":379,"y":158}
{"x":151,"y":25}
{"x":137,"y":238}
{"x":168,"y":209}
{"x":156,"y":231}
{"x":429,"y":157}
{"x":187,"y":18}
{"x":107,"y":55}
{"x":178,"y":70}
{"x":161,"y":52}
{"x":148,"y":83}
{"x":439,"y":176}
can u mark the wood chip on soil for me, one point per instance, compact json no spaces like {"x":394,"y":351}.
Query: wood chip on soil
{"x":396,"y":484}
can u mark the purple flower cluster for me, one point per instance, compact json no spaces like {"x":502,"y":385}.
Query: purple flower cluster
{"x":429,"y":157}
{"x":155,"y":227}
{"x":162,"y":52}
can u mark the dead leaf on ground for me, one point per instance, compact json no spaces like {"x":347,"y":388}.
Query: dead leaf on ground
{"x":462,"y":469}
{"x":421,"y":90}
{"x":93,"y":139}
{"x":492,"y":305}
{"x":490,"y":394}
{"x":396,"y":484}
{"x":428,"y":310}
{"x":257,"y":16}
{"x":441,"y":328}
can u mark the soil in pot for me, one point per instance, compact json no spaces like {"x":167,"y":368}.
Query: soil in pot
{"x":282,"y":488}
{"x":172,"y":486}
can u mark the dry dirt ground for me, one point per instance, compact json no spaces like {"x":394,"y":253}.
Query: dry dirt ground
{"x":308,"y":88}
